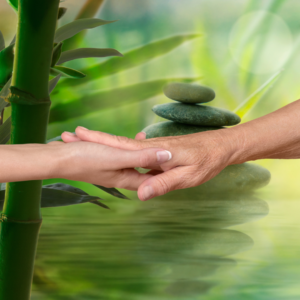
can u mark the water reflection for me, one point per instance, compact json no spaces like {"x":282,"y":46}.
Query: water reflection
{"x":169,"y":247}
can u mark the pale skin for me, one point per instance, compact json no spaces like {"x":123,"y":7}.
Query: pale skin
{"x":198,"y":157}
{"x":80,"y":161}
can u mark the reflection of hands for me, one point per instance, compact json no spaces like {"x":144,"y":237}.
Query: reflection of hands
{"x":196,"y":157}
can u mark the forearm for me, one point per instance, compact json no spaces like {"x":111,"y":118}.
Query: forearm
{"x":276,"y":135}
{"x":30,"y":162}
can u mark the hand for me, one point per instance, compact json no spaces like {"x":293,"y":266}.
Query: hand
{"x":82,"y":161}
{"x":111,"y":167}
{"x":196,"y":158}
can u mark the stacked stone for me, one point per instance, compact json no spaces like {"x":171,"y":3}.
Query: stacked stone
{"x":187,"y":116}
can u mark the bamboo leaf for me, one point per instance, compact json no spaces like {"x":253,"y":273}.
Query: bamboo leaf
{"x":61,"y":12}
{"x":56,"y":54}
{"x":5,"y":131}
{"x":2,"y":42}
{"x":13,"y":3}
{"x":110,"y":98}
{"x":60,"y":194}
{"x":85,"y":53}
{"x":3,"y":94}
{"x":53,"y":82}
{"x":6,"y":63}
{"x":66,"y":72}
{"x":112,"y":191}
{"x":89,"y":10}
{"x":13,"y":41}
{"x":69,"y":30}
{"x":55,"y":139}
{"x":132,"y":58}
{"x":245,"y":107}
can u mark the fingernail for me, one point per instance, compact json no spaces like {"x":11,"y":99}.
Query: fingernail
{"x":163,"y":156}
{"x":69,"y":133}
{"x":147,"y":192}
{"x":82,"y":128}
{"x":144,"y":133}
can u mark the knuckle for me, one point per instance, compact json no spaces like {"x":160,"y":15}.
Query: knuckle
{"x":121,"y":139}
{"x":145,"y":159}
{"x":163,"y":186}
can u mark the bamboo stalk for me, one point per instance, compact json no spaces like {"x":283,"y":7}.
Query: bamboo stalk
{"x":30,"y":103}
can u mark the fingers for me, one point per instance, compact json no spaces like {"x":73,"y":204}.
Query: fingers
{"x":131,"y":179}
{"x":163,"y":183}
{"x":140,"y":136}
{"x":107,"y":139}
{"x":145,"y":158}
{"x":69,"y":137}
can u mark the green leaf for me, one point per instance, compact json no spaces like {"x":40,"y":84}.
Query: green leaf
{"x":66,"y":72}
{"x":5,"y":131}
{"x":2,"y":42}
{"x":110,"y":98}
{"x":112,"y":191}
{"x":14,"y":4}
{"x":85,"y":53}
{"x":69,"y":30}
{"x":3,"y":94}
{"x":89,"y":10}
{"x":60,"y":194}
{"x":246,"y":106}
{"x":55,"y":139}
{"x":53,"y":82}
{"x":56,"y":54}
{"x":13,"y":41}
{"x":6,"y":64}
{"x":61,"y":12}
{"x":131,"y":59}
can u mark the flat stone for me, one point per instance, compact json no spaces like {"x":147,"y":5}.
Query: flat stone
{"x":244,"y":177}
{"x":189,"y":93}
{"x":170,"y":128}
{"x":196,"y":114}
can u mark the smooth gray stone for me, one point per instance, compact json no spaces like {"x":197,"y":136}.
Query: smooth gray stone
{"x":235,"y":178}
{"x":170,"y":128}
{"x":189,"y":93}
{"x":196,"y":114}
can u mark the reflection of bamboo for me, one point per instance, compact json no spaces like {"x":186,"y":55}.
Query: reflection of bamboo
{"x":30,"y":103}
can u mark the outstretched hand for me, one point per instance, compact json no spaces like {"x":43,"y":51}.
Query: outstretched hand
{"x":107,"y":166}
{"x":196,"y":158}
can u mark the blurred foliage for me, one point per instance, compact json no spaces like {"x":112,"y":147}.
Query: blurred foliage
{"x":106,"y":256}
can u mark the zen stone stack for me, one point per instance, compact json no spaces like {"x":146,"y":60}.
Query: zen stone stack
{"x":188,"y":115}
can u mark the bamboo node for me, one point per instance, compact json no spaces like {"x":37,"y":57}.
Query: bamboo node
{"x":4,"y":218}
{"x":24,"y":98}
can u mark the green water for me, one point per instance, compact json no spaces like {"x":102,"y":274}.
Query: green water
{"x":180,"y":246}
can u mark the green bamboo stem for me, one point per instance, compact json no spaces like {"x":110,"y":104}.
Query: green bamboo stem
{"x":30,"y":103}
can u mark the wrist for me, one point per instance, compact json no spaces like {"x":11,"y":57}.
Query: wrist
{"x":234,"y":145}
{"x":59,"y":160}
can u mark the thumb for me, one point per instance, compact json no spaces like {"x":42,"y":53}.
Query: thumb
{"x":161,"y":184}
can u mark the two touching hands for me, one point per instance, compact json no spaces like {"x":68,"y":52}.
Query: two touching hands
{"x":175,"y":162}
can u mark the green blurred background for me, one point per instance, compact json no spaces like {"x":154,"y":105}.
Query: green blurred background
{"x":247,"y":51}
